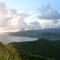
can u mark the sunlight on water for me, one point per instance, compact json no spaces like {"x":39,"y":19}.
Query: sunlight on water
{"x":6,"y":38}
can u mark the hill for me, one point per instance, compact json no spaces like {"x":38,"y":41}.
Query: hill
{"x":48,"y":33}
{"x":41,"y":49}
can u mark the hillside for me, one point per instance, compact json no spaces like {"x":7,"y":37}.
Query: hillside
{"x":41,"y":49}
{"x":48,"y":33}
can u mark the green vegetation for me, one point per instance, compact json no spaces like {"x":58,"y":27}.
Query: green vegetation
{"x":8,"y":53}
{"x":41,"y":49}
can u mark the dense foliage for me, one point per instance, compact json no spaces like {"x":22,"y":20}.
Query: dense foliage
{"x":41,"y":49}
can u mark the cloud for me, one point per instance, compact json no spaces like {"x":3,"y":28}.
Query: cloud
{"x":47,"y":12}
{"x":49,"y":23}
{"x":50,"y":16}
{"x":47,"y":17}
{"x":11,"y":19}
{"x":34,"y":25}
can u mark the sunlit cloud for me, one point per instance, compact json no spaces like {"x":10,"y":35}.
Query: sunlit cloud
{"x":13,"y":20}
{"x":10,"y":19}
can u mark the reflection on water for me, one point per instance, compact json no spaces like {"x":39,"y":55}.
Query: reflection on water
{"x":6,"y":38}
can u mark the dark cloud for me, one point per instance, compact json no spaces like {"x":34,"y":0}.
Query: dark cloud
{"x":47,"y":12}
{"x":35,"y":25}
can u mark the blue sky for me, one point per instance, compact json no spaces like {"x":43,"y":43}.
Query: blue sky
{"x":31,"y":5}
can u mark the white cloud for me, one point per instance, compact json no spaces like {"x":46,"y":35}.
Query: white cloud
{"x":47,"y":17}
{"x":12,"y":19}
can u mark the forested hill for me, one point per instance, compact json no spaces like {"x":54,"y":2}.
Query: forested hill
{"x":49,"y":33}
{"x":41,"y":48}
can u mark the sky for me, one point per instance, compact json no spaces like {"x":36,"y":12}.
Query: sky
{"x":27,"y":14}
{"x":31,"y":5}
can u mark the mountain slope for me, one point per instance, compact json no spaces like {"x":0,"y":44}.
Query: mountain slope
{"x":48,"y":33}
{"x":41,"y":47}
